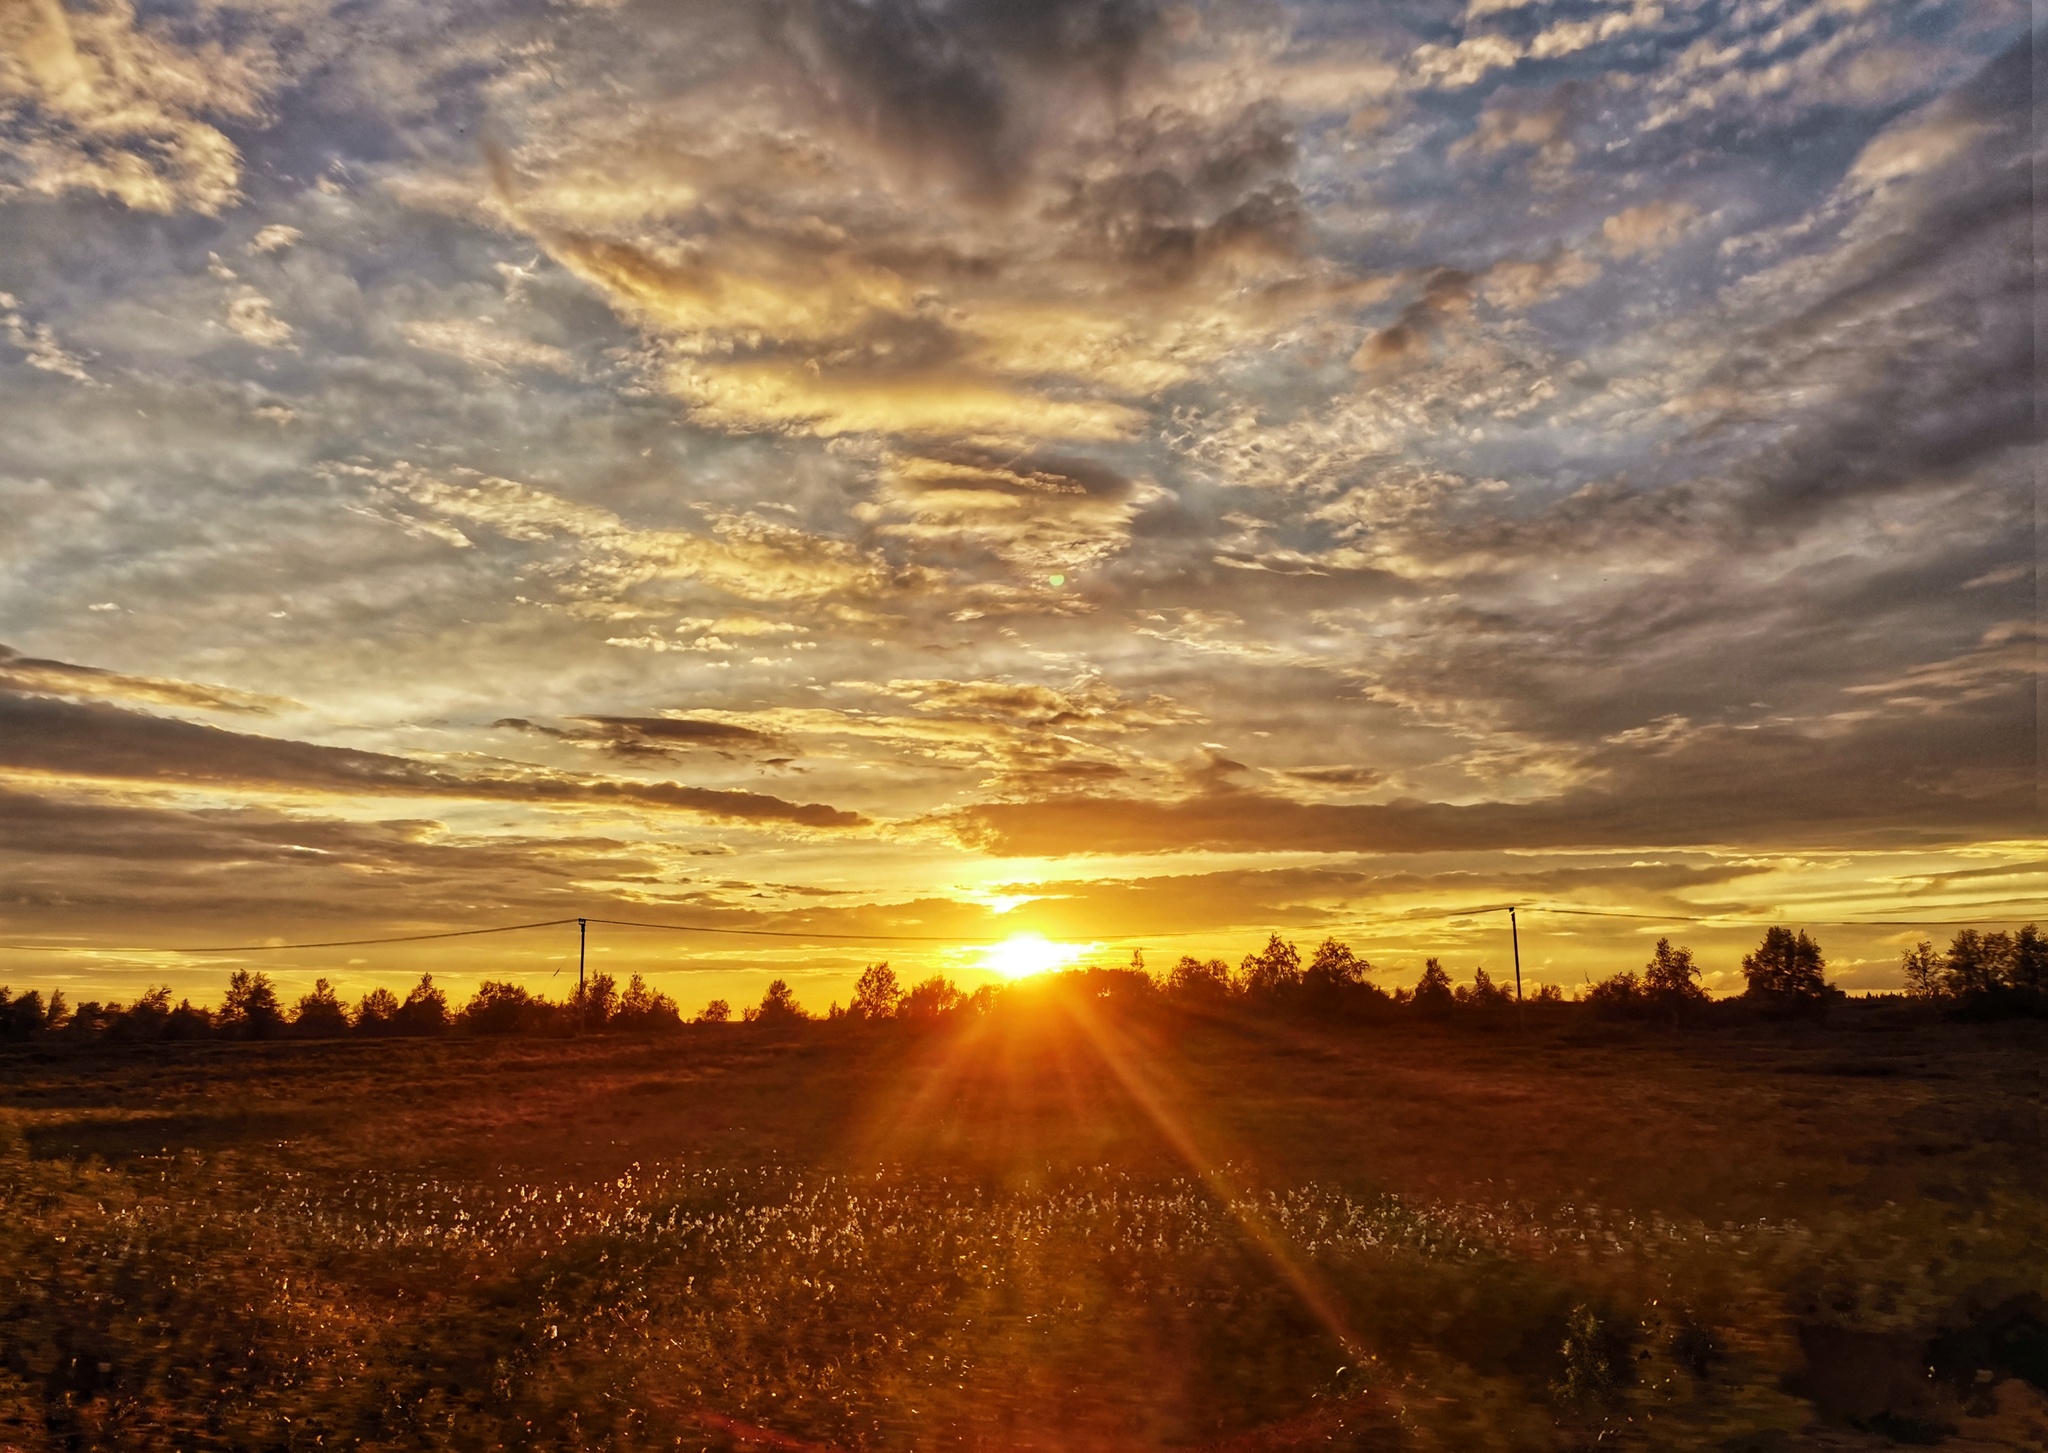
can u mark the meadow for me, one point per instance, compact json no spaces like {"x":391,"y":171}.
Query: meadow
{"x":1058,"y":1226}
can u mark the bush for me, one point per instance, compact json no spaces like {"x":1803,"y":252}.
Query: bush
{"x":503,"y":1008}
{"x":595,"y":1001}
{"x":1199,"y":981}
{"x":778,"y":1006}
{"x":642,"y":1008}
{"x":1482,"y":993}
{"x":1620,"y":997}
{"x":934,"y":998}
{"x":1668,"y":988}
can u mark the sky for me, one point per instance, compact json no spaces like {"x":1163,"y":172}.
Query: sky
{"x":1145,"y":474}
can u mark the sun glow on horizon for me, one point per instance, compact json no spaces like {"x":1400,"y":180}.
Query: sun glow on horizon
{"x":1024,"y":954}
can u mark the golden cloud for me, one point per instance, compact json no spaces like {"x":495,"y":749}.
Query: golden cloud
{"x":1650,"y":228}
{"x":101,"y":104}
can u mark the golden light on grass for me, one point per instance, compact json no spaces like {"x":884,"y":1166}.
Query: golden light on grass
{"x":1024,"y":954}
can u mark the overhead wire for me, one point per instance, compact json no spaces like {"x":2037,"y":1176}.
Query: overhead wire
{"x":1387,"y":918}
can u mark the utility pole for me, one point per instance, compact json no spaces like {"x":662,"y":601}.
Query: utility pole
{"x":1515,"y":936}
{"x":583,"y":935}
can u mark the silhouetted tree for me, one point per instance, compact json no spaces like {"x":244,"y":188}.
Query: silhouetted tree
{"x":778,"y":1006}
{"x":2028,"y":968}
{"x":1432,"y":992}
{"x":377,"y":1013}
{"x":188,"y":1021}
{"x":1333,"y":972}
{"x":92,"y":1019}
{"x":1786,"y":972}
{"x":876,"y":994}
{"x":425,"y":1010}
{"x":22,"y":1017}
{"x":1619,"y":997}
{"x":1671,"y":983}
{"x":319,"y":1015}
{"x":595,"y":1001}
{"x":1920,"y":966}
{"x":716,"y":1012}
{"x":250,"y":1009}
{"x":144,"y":1021}
{"x":1975,"y":964}
{"x":643,"y":1008}
{"x":1272,"y":970}
{"x":1482,"y":993}
{"x":1199,"y":980}
{"x":498,"y":1007}
{"x":1994,"y":974}
{"x":936,"y":996}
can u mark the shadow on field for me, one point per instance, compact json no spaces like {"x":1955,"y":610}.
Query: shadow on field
{"x":115,"y":1138}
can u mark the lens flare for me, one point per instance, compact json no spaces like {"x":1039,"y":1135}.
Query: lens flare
{"x":1024,"y":954}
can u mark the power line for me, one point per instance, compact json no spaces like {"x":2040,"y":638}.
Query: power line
{"x":1390,"y":918}
{"x":261,"y":948}
{"x":798,"y":933}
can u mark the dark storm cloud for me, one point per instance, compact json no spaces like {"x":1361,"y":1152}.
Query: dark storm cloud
{"x":97,"y":740}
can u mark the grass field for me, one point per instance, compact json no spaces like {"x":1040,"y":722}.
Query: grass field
{"x":1054,"y":1229}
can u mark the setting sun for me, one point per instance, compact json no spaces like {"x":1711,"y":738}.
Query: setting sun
{"x":1025,"y":954}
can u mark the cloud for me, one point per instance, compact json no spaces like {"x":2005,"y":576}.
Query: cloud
{"x":249,"y":317}
{"x":1608,"y":426}
{"x":1889,"y":781}
{"x":647,"y":736}
{"x":39,"y":343}
{"x":1650,"y":228}
{"x":482,"y":344}
{"x":1340,"y":776}
{"x":1039,"y":515}
{"x":99,"y":103}
{"x":1446,"y":298}
{"x":60,"y":678}
{"x":966,"y":93}
{"x":275,"y":238}
{"x":744,"y":555}
{"x":1516,"y":286}
{"x":98,"y":741}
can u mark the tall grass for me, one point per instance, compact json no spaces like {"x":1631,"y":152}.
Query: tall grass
{"x":221,"y":1301}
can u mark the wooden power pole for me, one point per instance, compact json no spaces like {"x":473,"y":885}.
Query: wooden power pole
{"x":1515,"y":936}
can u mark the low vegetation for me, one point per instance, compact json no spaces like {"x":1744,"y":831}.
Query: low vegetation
{"x":1062,"y":1223}
{"x":1982,"y":975}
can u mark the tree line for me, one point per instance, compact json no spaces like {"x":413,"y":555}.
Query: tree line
{"x":1981,"y":975}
